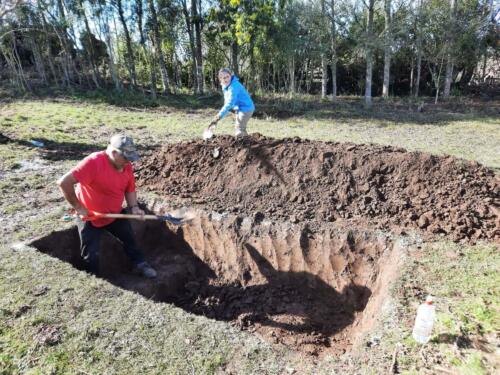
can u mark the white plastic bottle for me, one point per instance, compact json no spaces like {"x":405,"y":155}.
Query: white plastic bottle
{"x":424,"y":321}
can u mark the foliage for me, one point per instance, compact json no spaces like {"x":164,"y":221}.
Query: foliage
{"x":273,"y":44}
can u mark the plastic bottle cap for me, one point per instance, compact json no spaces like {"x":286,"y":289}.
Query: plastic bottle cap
{"x":429,"y":300}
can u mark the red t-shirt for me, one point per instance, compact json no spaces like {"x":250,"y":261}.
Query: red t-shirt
{"x":101,"y":188}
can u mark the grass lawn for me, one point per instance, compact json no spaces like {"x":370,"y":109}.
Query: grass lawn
{"x":57,"y":320}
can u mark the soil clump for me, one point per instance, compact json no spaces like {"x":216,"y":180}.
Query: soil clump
{"x":298,"y":180}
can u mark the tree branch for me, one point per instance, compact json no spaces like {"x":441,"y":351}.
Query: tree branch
{"x":6,"y":8}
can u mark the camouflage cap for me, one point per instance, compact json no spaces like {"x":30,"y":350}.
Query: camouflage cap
{"x":125,"y":146}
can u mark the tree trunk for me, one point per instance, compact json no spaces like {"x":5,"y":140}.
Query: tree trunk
{"x":387,"y":49}
{"x":334,"y":51}
{"x":37,"y":56}
{"x":189,"y":28}
{"x":419,"y":49}
{"x":234,"y":58}
{"x":324,"y":76}
{"x":436,"y":78}
{"x":18,"y":61}
{"x":157,"y":48}
{"x":369,"y":54}
{"x":449,"y":47}
{"x":291,"y":72}
{"x":104,"y":28}
{"x":324,"y":63}
{"x":50,"y":57}
{"x":95,"y":71}
{"x":489,"y":22}
{"x":412,"y":73}
{"x":65,"y":43}
{"x":252,"y":81}
{"x":199,"y":52}
{"x":15,"y":76}
{"x":150,"y":61}
{"x":111,"y":60}
{"x":130,"y":54}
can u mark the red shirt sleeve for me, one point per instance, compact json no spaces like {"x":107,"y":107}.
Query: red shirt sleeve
{"x":85,"y":171}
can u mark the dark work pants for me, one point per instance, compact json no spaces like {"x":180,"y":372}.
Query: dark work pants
{"x":90,"y":241}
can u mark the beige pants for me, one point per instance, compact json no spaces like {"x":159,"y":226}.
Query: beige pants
{"x":241,"y":123}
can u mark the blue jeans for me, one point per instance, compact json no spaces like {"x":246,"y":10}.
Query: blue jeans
{"x":90,"y":241}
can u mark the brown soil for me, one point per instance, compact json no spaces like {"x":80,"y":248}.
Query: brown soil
{"x":299,"y":180}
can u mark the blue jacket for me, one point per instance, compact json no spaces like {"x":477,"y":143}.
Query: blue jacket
{"x":236,"y":97}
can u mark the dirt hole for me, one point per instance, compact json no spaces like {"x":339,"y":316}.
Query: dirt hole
{"x":313,"y":292}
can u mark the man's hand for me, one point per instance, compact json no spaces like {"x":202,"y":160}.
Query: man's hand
{"x":216,"y":119}
{"x":82,"y":212}
{"x":136,"y":210}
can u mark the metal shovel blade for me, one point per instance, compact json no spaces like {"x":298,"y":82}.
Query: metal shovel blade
{"x":208,"y":133}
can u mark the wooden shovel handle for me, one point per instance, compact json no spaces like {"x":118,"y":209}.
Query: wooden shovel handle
{"x":127,"y":216}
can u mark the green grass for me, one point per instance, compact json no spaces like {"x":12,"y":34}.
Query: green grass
{"x":90,"y":120}
{"x":465,"y":283}
{"x":108,"y":330}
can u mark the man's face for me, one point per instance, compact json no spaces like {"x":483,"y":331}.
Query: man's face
{"x":225,"y":79}
{"x":119,"y":159}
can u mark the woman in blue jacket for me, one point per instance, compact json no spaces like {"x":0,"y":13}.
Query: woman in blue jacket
{"x":236,"y":98}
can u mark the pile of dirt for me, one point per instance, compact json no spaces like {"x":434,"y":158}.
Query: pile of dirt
{"x":299,"y":180}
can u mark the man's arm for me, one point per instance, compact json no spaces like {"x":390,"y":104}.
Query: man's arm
{"x":132,"y":204}
{"x":67,"y":185}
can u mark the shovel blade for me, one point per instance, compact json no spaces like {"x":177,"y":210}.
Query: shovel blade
{"x":208,"y":133}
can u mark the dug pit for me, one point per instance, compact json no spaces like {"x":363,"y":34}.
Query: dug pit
{"x":295,"y":240}
{"x":315,"y":292}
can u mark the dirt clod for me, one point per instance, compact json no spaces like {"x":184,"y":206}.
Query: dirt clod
{"x":297,"y":180}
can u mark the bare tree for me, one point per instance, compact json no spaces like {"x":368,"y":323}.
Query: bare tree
{"x":157,"y":48}
{"x":418,"y":31}
{"x":91,"y":52}
{"x":103,"y":22}
{"x":130,"y":54}
{"x":387,"y":48}
{"x":333,"y":36}
{"x":369,"y":53}
{"x":234,"y":57}
{"x":198,"y":54}
{"x":324,"y":63}
{"x":151,"y":62}
{"x":8,"y":6}
{"x":449,"y":49}
{"x":189,"y":28}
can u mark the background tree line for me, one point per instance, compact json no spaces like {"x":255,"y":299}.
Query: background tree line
{"x":331,"y":47}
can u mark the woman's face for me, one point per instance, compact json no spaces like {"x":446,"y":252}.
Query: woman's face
{"x":224,"y":78}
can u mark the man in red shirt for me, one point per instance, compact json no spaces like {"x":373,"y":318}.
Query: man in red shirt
{"x":100,"y":183}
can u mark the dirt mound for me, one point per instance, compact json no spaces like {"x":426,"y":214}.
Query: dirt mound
{"x":300,"y":180}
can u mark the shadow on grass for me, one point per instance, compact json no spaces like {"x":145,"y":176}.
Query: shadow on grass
{"x":283,"y":107}
{"x":127,"y":99}
{"x":55,"y":151}
{"x":59,"y":151}
{"x":404,"y":110}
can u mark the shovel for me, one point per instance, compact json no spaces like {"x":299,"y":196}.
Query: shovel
{"x":181,"y":219}
{"x":209,"y":131}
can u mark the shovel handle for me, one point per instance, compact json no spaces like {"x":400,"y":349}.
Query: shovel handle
{"x":97,"y":215}
{"x":127,"y":216}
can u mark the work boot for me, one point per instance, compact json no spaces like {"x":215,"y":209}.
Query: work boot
{"x":144,"y":269}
